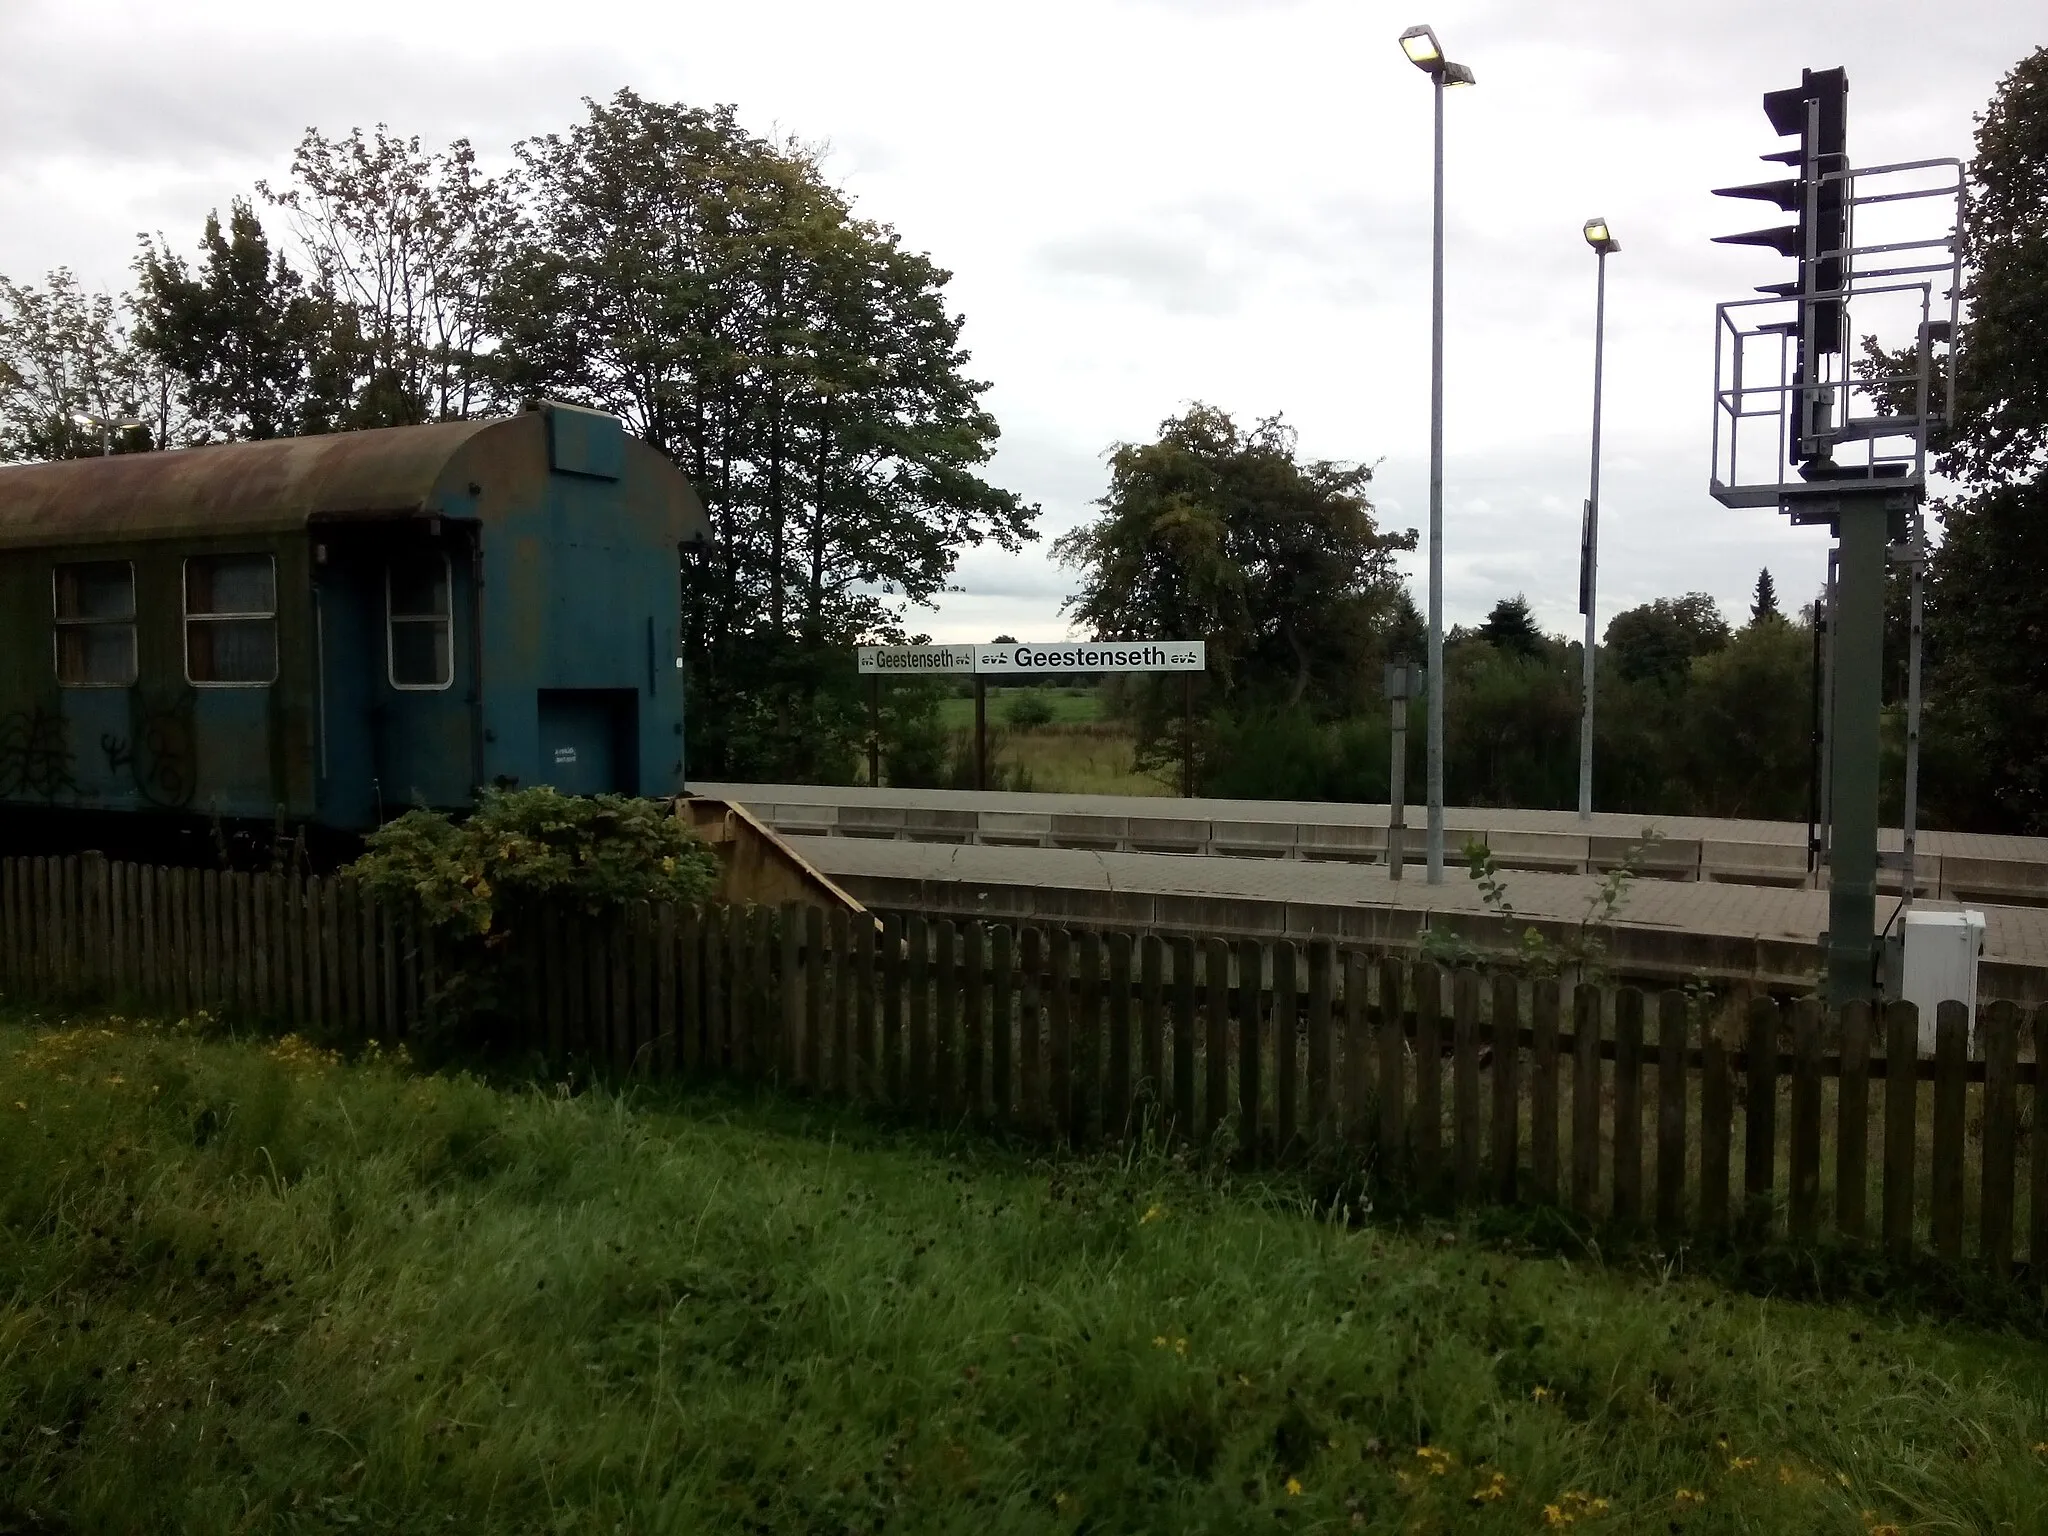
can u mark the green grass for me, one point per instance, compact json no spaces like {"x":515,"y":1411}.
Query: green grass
{"x":1078,"y":760}
{"x":245,"y":1288}
{"x":1070,"y":706}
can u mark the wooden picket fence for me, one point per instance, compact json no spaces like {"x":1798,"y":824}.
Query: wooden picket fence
{"x":1667,"y":1112}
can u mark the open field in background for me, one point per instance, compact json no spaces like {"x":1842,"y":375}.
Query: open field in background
{"x":1070,"y":706}
{"x":246,"y":1286}
{"x":1076,"y":760}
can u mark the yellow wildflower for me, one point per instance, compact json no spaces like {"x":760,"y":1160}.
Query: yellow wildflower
{"x":1152,"y":1214}
{"x":1159,"y":1341}
{"x":1689,"y":1496}
{"x":1495,"y":1487}
{"x":1438,"y":1461}
{"x":1741,"y":1463}
{"x":1180,"y":1347}
{"x":1294,"y":1487}
{"x":1540,"y":1394}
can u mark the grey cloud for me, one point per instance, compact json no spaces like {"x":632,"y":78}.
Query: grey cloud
{"x":244,"y":95}
{"x":1178,"y":272}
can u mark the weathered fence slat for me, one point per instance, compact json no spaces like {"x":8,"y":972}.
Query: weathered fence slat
{"x":1543,"y":1089}
{"x":1251,"y":976}
{"x":1116,"y":1095}
{"x":1030,"y":1038}
{"x":946,"y":1021}
{"x":866,"y":1075}
{"x":611,"y":995}
{"x":1357,"y":1047}
{"x":790,"y":967}
{"x":369,"y":972}
{"x":974,"y":1019}
{"x":717,"y":942}
{"x":1506,"y":1139}
{"x":1428,"y":1129}
{"x":666,"y":1002}
{"x":1186,"y":1016}
{"x":1286,"y":1050}
{"x":917,"y":936}
{"x":1465,"y":1081}
{"x":890,"y":1076}
{"x":1586,"y":1101}
{"x":647,"y":1006}
{"x":1059,"y":1000}
{"x":1717,"y":1125}
{"x":839,"y":946}
{"x":1998,"y":1030}
{"x":1628,"y":1105}
{"x":1322,"y":958}
{"x":2037,"y":1198}
{"x":1760,"y":1137}
{"x":1901,"y":1103}
{"x":817,"y":977}
{"x":1152,"y":1086}
{"x":1390,"y":1024}
{"x":1951,"y":1063}
{"x":1216,"y":1048}
{"x":336,"y":1017}
{"x":1085,"y":1041}
{"x":1002,"y":1034}
{"x":1674,"y":1027}
{"x":1803,"y":1175}
{"x":1852,"y":1123}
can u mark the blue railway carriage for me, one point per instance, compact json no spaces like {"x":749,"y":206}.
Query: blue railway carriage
{"x":327,"y":631}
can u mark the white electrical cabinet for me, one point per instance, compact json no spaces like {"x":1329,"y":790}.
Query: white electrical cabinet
{"x":1942,"y":950}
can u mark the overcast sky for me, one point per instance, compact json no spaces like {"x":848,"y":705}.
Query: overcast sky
{"x":1144,"y":202}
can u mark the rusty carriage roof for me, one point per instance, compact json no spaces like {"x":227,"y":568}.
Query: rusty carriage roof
{"x":282,"y":484}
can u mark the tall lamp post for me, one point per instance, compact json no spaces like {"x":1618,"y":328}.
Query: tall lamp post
{"x":108,"y":426}
{"x":1604,"y":245}
{"x":1427,"y":55}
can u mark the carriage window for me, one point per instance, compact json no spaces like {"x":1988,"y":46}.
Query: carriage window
{"x":231,"y":620}
{"x":94,"y":606}
{"x":421,"y":629}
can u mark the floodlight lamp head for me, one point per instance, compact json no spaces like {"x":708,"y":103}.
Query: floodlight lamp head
{"x":1600,"y":237}
{"x":1422,"y":48}
{"x":1458,"y":74}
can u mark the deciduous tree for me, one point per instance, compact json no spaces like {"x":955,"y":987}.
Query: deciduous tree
{"x":64,"y":353}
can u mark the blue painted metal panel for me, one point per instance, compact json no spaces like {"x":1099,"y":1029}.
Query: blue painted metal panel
{"x":585,"y":443}
{"x":581,"y":592}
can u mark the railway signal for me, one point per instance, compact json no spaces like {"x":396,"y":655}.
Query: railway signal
{"x":1841,"y":442}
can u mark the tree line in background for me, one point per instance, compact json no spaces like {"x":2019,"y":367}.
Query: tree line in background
{"x":657,"y":261}
{"x":710,"y":287}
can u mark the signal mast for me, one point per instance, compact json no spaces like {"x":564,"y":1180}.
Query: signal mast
{"x":1839,"y":440}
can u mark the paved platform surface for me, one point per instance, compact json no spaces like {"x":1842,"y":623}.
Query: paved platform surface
{"x":1664,"y":928}
{"x":1964,"y":867}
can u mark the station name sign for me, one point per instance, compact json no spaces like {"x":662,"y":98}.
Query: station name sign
{"x":1018,"y":660}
